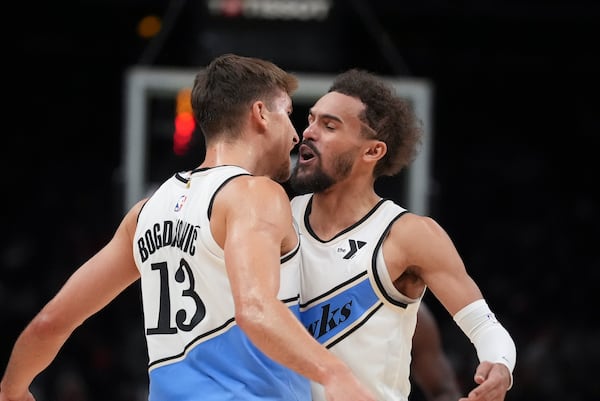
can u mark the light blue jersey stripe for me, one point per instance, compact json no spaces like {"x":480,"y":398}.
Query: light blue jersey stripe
{"x":227,"y":367}
{"x":333,"y":316}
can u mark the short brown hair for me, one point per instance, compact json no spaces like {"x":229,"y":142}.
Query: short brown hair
{"x":223,"y":90}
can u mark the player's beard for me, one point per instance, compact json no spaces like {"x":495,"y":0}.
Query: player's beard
{"x":303,"y":182}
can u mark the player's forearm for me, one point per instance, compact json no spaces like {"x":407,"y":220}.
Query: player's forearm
{"x":281,"y":336}
{"x":33,"y":351}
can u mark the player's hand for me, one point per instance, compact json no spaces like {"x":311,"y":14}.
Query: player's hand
{"x":493,"y":381}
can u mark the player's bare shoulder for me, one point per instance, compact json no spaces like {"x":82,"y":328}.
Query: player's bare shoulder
{"x":411,"y":242}
{"x":129,"y":222}
{"x":254,"y":197}
{"x":255,"y":189}
{"x":413,"y":229}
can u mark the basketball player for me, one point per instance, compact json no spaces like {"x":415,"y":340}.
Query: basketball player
{"x":430,"y":368}
{"x":367,"y":261}
{"x":217,"y":254}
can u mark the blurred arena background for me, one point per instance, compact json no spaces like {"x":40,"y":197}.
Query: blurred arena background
{"x":513,"y":172}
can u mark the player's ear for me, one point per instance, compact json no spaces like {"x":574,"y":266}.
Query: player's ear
{"x":259,"y":114}
{"x":375,"y":150}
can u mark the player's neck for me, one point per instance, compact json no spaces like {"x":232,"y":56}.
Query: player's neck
{"x":340,"y":207}
{"x":224,"y":153}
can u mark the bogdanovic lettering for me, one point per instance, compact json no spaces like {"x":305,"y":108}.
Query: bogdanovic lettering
{"x":178,"y":234}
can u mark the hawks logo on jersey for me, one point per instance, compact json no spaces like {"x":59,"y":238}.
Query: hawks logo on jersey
{"x":330,"y":318}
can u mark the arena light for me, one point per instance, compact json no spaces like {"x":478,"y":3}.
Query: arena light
{"x":304,"y":10}
{"x":149,"y":26}
{"x":184,"y":122}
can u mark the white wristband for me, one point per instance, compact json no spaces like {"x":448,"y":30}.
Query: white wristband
{"x":491,"y":340}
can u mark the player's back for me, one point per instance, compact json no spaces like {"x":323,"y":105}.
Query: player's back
{"x":196,"y":350}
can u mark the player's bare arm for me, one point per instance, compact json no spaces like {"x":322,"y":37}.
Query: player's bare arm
{"x":91,"y":287}
{"x":431,"y":259}
{"x":419,"y":253}
{"x":254,"y":236}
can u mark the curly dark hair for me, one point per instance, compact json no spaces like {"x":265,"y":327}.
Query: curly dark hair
{"x":388,"y":114}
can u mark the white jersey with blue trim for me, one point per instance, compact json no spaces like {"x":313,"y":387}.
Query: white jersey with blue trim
{"x":349,"y":303}
{"x":196,"y":351}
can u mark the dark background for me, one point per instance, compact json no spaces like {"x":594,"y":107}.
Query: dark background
{"x":514,"y":162}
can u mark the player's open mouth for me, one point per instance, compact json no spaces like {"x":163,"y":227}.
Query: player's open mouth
{"x":306,"y":154}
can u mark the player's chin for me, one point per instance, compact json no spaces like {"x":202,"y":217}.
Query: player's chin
{"x":284,"y":173}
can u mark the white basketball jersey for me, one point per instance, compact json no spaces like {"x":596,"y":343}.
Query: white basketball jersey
{"x":196,"y":350}
{"x":349,"y":304}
